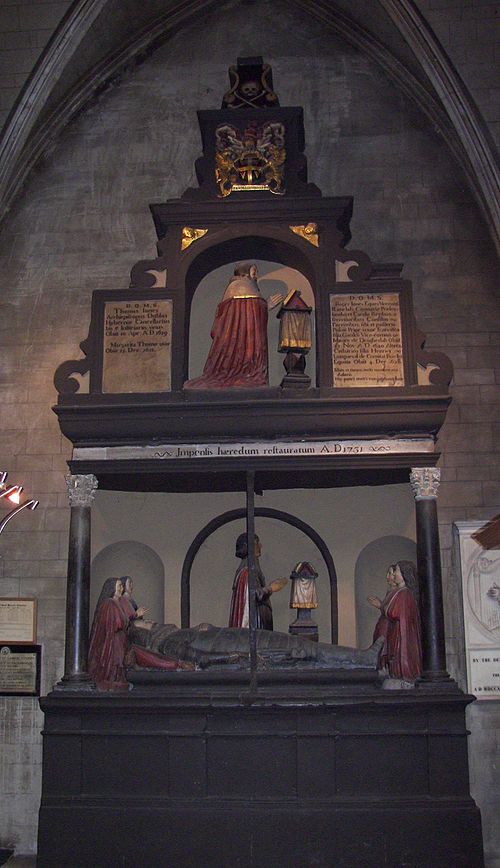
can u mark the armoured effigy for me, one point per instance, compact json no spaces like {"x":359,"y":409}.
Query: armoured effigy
{"x":206,"y":646}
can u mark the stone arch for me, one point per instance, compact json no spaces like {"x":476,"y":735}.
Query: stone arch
{"x":260,"y":512}
{"x":266,"y":245}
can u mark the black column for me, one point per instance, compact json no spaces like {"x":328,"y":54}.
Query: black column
{"x":81,"y":491}
{"x":425,"y":482}
{"x":252,"y":580}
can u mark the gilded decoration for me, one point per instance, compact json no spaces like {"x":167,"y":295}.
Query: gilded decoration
{"x":250,"y":159}
{"x":189,"y":235}
{"x":308,"y":233}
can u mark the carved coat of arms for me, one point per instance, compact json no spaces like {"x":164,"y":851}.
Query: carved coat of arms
{"x":250,"y":159}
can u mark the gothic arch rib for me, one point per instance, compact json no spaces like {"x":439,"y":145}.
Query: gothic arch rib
{"x":17,"y":154}
{"x":35,"y":123}
{"x":459,"y":105}
{"x":453,"y":111}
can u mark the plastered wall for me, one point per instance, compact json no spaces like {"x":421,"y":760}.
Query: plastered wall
{"x":83,"y":220}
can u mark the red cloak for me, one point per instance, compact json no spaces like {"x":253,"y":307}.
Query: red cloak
{"x":239,"y":612}
{"x":403,"y":643}
{"x":381,"y":629}
{"x":127,"y":608}
{"x":108,"y":646}
{"x":238,"y":355}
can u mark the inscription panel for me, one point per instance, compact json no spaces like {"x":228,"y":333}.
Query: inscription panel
{"x":20,"y":670}
{"x":255,"y":449}
{"x":17,"y":620}
{"x":480,"y":572}
{"x":137,"y":346}
{"x":366,"y":337}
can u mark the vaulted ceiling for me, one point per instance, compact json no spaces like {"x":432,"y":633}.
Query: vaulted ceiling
{"x":100,"y":39}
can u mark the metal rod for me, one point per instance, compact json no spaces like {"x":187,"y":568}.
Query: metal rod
{"x":10,"y":490}
{"x":28,"y":504}
{"x":252,"y":582}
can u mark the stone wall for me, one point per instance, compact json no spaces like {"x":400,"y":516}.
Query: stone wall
{"x":25,"y":28}
{"x":83,"y":220}
{"x":468,"y":31}
{"x":465,"y":28}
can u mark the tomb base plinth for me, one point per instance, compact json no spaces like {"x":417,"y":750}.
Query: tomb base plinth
{"x":210,"y":775}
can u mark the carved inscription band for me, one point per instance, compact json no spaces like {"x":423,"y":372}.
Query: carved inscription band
{"x":81,"y":489}
{"x":425,"y":482}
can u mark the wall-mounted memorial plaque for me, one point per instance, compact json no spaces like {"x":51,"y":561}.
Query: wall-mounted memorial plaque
{"x":480,"y":571}
{"x":137,"y":338}
{"x":367,"y":345}
{"x":20,"y":670}
{"x":17,"y":620}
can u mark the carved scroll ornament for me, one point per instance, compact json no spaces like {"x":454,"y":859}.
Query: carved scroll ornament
{"x":63,"y":381}
{"x":434,"y":368}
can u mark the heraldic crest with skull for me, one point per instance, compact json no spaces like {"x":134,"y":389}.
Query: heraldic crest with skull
{"x":250,"y":155}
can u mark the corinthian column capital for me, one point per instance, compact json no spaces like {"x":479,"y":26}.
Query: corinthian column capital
{"x":425,"y":482}
{"x":81,"y":489}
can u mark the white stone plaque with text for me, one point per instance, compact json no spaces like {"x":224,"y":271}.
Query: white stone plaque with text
{"x":480,"y":571}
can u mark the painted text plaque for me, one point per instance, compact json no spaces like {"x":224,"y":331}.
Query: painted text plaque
{"x":137,"y":346}
{"x":366,"y":340}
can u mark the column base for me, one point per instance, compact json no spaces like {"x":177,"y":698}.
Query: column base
{"x":81,"y":683}
{"x":296,"y":381}
{"x":306,"y":628}
{"x":434,"y":682}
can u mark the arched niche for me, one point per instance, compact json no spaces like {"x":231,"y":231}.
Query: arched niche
{"x":274,"y":277}
{"x":274,"y":244}
{"x":281,"y":517}
{"x":135,"y":559}
{"x":370,"y":579}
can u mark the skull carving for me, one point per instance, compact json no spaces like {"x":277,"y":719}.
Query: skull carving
{"x":250,"y":89}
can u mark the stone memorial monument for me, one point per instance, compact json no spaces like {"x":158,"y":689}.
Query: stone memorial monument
{"x":194,"y":766}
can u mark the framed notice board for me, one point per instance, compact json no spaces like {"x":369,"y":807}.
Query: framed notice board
{"x":18,"y":620}
{"x":20,"y":667}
